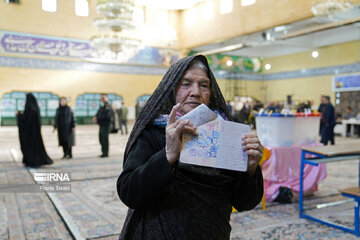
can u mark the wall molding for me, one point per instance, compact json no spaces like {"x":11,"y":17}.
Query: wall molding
{"x":314,"y":72}
{"x":79,"y":66}
{"x":18,"y":62}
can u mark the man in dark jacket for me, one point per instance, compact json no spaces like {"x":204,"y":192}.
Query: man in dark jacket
{"x":103,"y":118}
{"x":65,"y":124}
{"x":327,"y":121}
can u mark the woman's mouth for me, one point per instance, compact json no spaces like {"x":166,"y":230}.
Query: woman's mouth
{"x":193,"y":103}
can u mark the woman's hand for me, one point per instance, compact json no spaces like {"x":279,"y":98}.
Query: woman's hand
{"x":173,"y":134}
{"x":252,"y":146}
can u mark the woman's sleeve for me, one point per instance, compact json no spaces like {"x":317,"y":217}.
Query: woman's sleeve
{"x":145,"y":175}
{"x":247,"y":191}
{"x":72,"y":119}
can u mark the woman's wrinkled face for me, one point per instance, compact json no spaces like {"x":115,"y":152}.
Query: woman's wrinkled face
{"x":193,"y":89}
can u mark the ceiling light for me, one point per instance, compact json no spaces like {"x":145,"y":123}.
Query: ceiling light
{"x":229,"y":63}
{"x":280,"y":28}
{"x":267,"y":66}
{"x":116,"y":43}
{"x":330,"y":7}
{"x":315,"y":54}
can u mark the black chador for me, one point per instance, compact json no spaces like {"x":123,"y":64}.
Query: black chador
{"x":179,"y":202}
{"x":32,"y":146}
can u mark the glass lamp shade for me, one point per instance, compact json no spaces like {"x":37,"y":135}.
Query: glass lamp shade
{"x":114,"y":8}
{"x":117,"y":24}
{"x":330,"y":7}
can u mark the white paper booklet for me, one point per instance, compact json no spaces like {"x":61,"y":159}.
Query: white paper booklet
{"x":200,"y":115}
{"x":218,"y":144}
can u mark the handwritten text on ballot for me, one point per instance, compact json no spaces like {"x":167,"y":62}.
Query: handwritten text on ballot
{"x":218,"y":143}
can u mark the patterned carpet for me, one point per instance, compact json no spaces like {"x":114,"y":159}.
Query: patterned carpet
{"x":281,"y":221}
{"x":27,"y":215}
{"x":89,"y":211}
{"x":93,"y":211}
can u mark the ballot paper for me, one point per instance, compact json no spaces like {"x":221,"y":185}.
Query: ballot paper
{"x":200,"y":115}
{"x":218,"y":143}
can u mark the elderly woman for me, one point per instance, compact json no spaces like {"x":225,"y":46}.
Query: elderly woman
{"x":170,"y":200}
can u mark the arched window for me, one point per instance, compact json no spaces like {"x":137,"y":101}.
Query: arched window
{"x":15,"y":101}
{"x":82,"y":8}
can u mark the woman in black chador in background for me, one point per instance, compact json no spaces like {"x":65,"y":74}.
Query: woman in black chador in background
{"x":65,"y":124}
{"x":32,"y":146}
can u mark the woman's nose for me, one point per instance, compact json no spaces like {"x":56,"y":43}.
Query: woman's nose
{"x":195,"y":90}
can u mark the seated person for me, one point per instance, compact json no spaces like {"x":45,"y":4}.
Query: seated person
{"x":348,"y":115}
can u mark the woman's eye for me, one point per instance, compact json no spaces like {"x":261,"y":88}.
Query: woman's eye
{"x":186,"y":84}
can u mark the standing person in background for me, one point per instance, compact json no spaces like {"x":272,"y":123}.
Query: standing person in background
{"x":123,"y":118}
{"x":115,"y":119}
{"x":103,"y":119}
{"x":64,"y":123}
{"x":137,"y":110}
{"x":31,"y":142}
{"x":348,"y":114}
{"x":321,"y":110}
{"x":258,"y":105}
{"x":327,"y":120}
{"x":247,"y":108}
{"x":358,"y":127}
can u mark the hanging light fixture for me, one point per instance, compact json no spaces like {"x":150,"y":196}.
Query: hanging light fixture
{"x":115,"y":44}
{"x":115,"y":8}
{"x":330,"y":7}
{"x":114,"y":24}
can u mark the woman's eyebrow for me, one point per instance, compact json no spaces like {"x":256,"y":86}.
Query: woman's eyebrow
{"x":187,"y":79}
{"x":205,"y":81}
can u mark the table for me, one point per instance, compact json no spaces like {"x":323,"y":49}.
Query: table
{"x":282,"y":169}
{"x":352,"y":123}
{"x":325,"y":154}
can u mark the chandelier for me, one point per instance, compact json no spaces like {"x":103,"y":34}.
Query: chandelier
{"x":330,"y":7}
{"x":115,"y":43}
